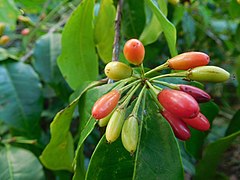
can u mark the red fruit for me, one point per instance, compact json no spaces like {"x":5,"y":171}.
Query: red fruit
{"x":134,"y":51}
{"x":198,"y":94}
{"x":188,"y":60}
{"x":178,"y":103}
{"x":179,"y":128}
{"x":200,"y":122}
{"x":25,"y":31}
{"x":105,"y":104}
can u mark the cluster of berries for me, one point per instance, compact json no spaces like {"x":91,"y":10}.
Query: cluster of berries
{"x":178,"y":103}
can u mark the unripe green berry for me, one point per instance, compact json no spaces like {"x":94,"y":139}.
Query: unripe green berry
{"x":208,"y":74}
{"x":117,"y":70}
{"x":115,"y":124}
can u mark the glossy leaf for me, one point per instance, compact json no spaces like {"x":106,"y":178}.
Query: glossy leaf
{"x":21,"y":104}
{"x":153,"y":28}
{"x":59,"y":152}
{"x":3,"y":54}
{"x":18,"y":163}
{"x":195,"y":144}
{"x":45,"y":53}
{"x":9,"y":13}
{"x":212,"y":156}
{"x":104,"y":30}
{"x":168,"y":28}
{"x":234,"y":124}
{"x":87,"y":124}
{"x":78,"y":61}
{"x":156,"y":151}
{"x":188,"y":26}
{"x":133,"y":18}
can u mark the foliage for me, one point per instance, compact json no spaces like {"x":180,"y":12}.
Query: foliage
{"x":51,"y":77}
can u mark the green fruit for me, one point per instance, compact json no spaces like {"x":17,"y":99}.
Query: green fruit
{"x":208,"y":74}
{"x":104,"y":121}
{"x":130,"y":134}
{"x":117,"y":70}
{"x":115,"y":124}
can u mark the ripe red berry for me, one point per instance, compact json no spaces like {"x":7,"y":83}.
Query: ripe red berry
{"x":198,"y":94}
{"x":105,"y":104}
{"x":200,"y":122}
{"x":25,"y":31}
{"x":178,"y":103}
{"x":179,"y":128}
{"x":134,"y":51}
{"x":188,"y":60}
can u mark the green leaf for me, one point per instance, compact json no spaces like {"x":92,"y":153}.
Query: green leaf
{"x":195,"y":144}
{"x":212,"y":157}
{"x":87,"y":123}
{"x":104,"y":30}
{"x":59,"y":152}
{"x":18,"y":163}
{"x":133,"y":16}
{"x":21,"y":104}
{"x":234,"y":9}
{"x":110,"y":161}
{"x":3,"y":54}
{"x":31,"y":6}
{"x":9,"y":13}
{"x":188,"y":26}
{"x":157,"y":150}
{"x":78,"y":61}
{"x":45,"y":53}
{"x":153,"y":28}
{"x":234,"y":124}
{"x":168,"y":28}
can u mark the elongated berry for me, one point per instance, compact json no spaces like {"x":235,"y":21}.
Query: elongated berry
{"x":115,"y":124}
{"x":104,"y":121}
{"x":179,"y":128}
{"x":130,"y":134}
{"x":208,"y":74}
{"x":188,"y":60}
{"x":178,"y":103}
{"x":134,"y":51}
{"x":117,"y":70}
{"x":198,"y":94}
{"x":104,"y":105}
{"x":200,"y":122}
{"x":4,"y":40}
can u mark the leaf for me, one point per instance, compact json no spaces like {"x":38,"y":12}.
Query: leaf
{"x":168,"y":28}
{"x":87,"y":123}
{"x":20,"y":104}
{"x":153,"y":28}
{"x":9,"y":13}
{"x":3,"y":54}
{"x":104,"y":30}
{"x":133,"y":18}
{"x":78,"y":61}
{"x":59,"y":152}
{"x":158,"y":148}
{"x":212,"y":157}
{"x":234,"y":124}
{"x":18,"y":163}
{"x":157,"y":151}
{"x":188,"y":26}
{"x":31,"y":6}
{"x":195,"y":144}
{"x":47,"y":49}
{"x":110,"y":161}
{"x":233,"y":9}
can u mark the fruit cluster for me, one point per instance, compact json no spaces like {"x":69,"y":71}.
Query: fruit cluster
{"x":178,"y":103}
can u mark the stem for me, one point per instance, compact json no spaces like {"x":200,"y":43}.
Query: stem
{"x":129,"y":96}
{"x":142,"y":71}
{"x":152,"y":88}
{"x":179,"y":74}
{"x":128,"y":86}
{"x":154,"y":95}
{"x":116,"y":46}
{"x":170,"y":85}
{"x":158,"y":68}
{"x":137,"y":105}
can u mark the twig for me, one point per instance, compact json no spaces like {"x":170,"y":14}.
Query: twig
{"x":116,"y":46}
